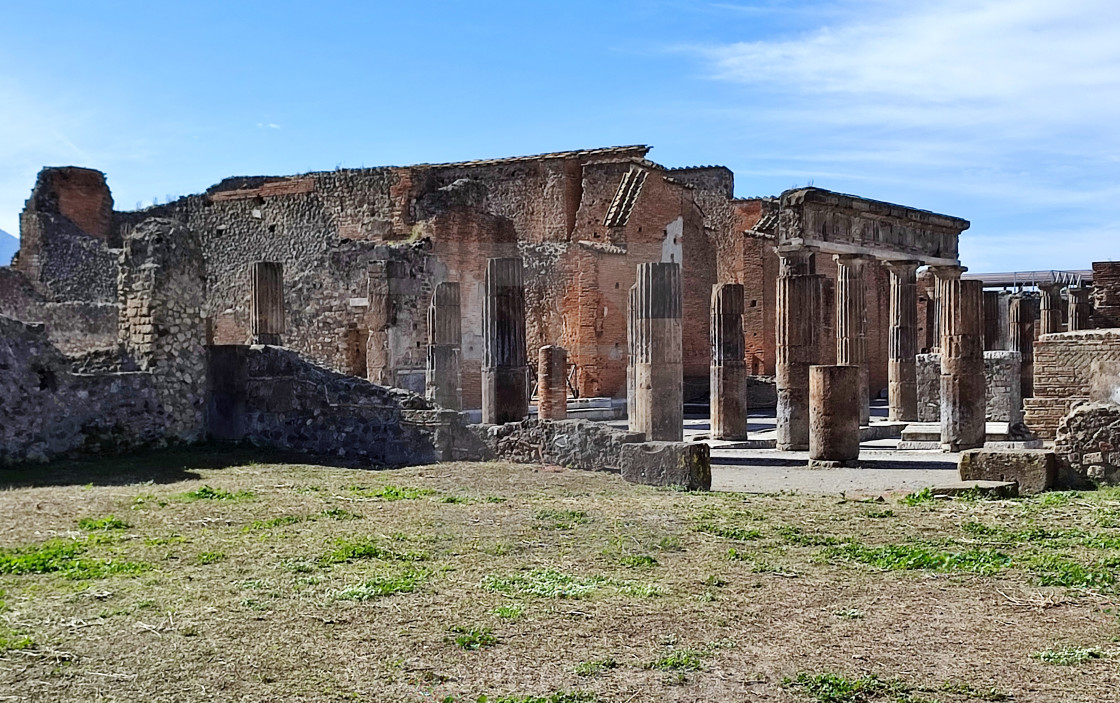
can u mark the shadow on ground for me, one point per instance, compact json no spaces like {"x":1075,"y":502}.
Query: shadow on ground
{"x":892,"y":464}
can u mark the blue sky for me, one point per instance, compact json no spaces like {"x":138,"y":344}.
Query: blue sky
{"x":1004,"y":112}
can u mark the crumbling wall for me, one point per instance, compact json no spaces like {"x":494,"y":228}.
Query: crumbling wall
{"x":1087,"y":442}
{"x":1071,"y":368}
{"x":574,"y":444}
{"x":1001,"y":373}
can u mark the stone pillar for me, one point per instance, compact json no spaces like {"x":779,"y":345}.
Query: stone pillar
{"x":552,"y":383}
{"x":728,"y":377}
{"x":903,"y":343}
{"x":505,"y":388}
{"x":996,"y":320}
{"x":851,"y":324}
{"x":443,"y":385}
{"x":1050,"y":319}
{"x":631,"y":331}
{"x":797,"y":305}
{"x":833,"y":415}
{"x":1080,"y":307}
{"x":266,"y":302}
{"x":963,"y":391}
{"x":658,"y":368}
{"x":1020,"y":333}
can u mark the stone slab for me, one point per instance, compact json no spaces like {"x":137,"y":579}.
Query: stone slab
{"x":993,"y":489}
{"x":1035,"y":470}
{"x":686,"y":464}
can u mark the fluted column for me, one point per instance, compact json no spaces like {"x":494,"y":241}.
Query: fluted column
{"x":798,"y":303}
{"x":505,"y":388}
{"x":631,"y":331}
{"x":963,"y":391}
{"x":902,"y":375}
{"x":658,"y":367}
{"x":728,"y":377}
{"x":1050,"y":318}
{"x":851,"y":324}
{"x":266,"y":302}
{"x":1080,"y":308}
{"x":552,"y":383}
{"x":1020,"y":332}
{"x":443,"y":384}
{"x":995,"y":320}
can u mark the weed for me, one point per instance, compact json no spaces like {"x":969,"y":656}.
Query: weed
{"x":509,"y":612}
{"x":904,"y":557}
{"x":472,"y":638}
{"x":677,"y":660}
{"x":794,"y":535}
{"x":739,"y":534}
{"x":715,"y":581}
{"x":920,"y":498}
{"x":458,"y":500}
{"x":109,"y":522}
{"x":641,"y":590}
{"x":1068,"y":656}
{"x":282,"y":521}
{"x":1048,"y":500}
{"x":594,"y":667}
{"x":495,"y":499}
{"x":63,"y":557}
{"x":877,"y":514}
{"x":670,"y":543}
{"x":211,"y":557}
{"x":963,"y":689}
{"x":339,"y":514}
{"x":560,"y":697}
{"x":390,"y":492}
{"x":1055,"y":570}
{"x":163,"y":541}
{"x":403,"y":582}
{"x":561,"y":519}
{"x":849,"y":614}
{"x":208,"y":492}
{"x":832,"y":688}
{"x":346,"y":550}
{"x":638,"y":561}
{"x":544,"y":583}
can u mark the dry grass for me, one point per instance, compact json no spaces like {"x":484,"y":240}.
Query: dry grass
{"x":204,"y":576}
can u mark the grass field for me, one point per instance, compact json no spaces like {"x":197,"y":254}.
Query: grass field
{"x":206,"y":576}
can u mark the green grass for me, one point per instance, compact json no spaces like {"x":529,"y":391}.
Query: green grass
{"x":509,"y":612}
{"x":1069,"y":656}
{"x":544,"y":583}
{"x":739,"y":534}
{"x":405,"y":581}
{"x":638,"y":561}
{"x":561,"y":519}
{"x":63,"y":557}
{"x":559,"y":697}
{"x":211,"y":557}
{"x":390,"y":492}
{"x":472,"y":639}
{"x":347,"y":550}
{"x":677,"y":660}
{"x":594,"y":667}
{"x":833,"y":688}
{"x":282,"y":521}
{"x":1057,"y":570}
{"x":207,"y":492}
{"x":905,"y":557}
{"x":794,"y":535}
{"x":922,"y":497}
{"x":109,"y":522}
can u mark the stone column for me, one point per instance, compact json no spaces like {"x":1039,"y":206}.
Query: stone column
{"x":963,"y":392}
{"x":1080,"y":307}
{"x":995,"y":320}
{"x":266,"y":302}
{"x":443,"y":383}
{"x":1020,"y":333}
{"x":903,"y":343}
{"x":631,"y":331}
{"x":505,"y":388}
{"x":552,"y":383}
{"x":851,"y":324}
{"x":833,"y":415}
{"x":728,"y":376}
{"x":797,"y":315}
{"x":1050,"y":319}
{"x":658,"y":368}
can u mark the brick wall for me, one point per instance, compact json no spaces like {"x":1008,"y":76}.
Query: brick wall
{"x":1071,"y":368}
{"x":1106,"y":294}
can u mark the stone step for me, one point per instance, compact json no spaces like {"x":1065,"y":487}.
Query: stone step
{"x":993,"y":489}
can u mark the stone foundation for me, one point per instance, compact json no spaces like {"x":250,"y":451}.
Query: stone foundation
{"x":1087,"y":443}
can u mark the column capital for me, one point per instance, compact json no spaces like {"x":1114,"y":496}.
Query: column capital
{"x":948,"y":272}
{"x":794,"y":259}
{"x":902,"y":267}
{"x":853,"y":260}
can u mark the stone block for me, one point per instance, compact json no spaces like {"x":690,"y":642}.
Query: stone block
{"x":667,"y":464}
{"x":1035,"y":470}
{"x":991,"y":489}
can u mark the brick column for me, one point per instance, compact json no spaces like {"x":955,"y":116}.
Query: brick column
{"x":851,"y":324}
{"x":798,"y":302}
{"x":443,"y":384}
{"x":266,"y":302}
{"x":728,"y":376}
{"x":658,"y":368}
{"x":505,"y":388}
{"x":552,"y":383}
{"x":833,"y":415}
{"x":963,"y":392}
{"x":903,"y":343}
{"x":1080,"y":308}
{"x":1020,"y":333}
{"x":1050,"y":319}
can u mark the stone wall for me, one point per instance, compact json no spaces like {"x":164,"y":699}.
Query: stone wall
{"x":574,"y":444}
{"x":1087,"y":442}
{"x":1106,"y":294}
{"x":1069,"y":369}
{"x":1001,"y":373}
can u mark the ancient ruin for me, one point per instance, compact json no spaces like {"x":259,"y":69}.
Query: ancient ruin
{"x":407,"y":314}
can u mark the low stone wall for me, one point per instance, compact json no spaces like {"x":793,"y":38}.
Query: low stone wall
{"x":48,"y":412}
{"x":574,"y":444}
{"x":761,"y":392}
{"x":1071,"y":368}
{"x":1001,"y":371}
{"x":271,"y":397}
{"x":1087,"y":443}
